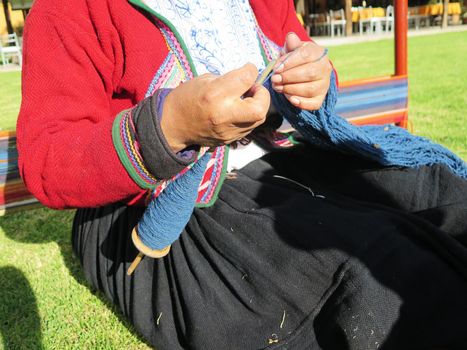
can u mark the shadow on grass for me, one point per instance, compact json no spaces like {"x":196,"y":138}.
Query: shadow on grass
{"x":19,"y":317}
{"x":39,"y":226}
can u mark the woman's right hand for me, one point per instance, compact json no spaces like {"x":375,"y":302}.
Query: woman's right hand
{"x":213,"y":110}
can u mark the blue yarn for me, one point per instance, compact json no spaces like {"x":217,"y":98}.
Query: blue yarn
{"x":385,"y":144}
{"x":167,"y":215}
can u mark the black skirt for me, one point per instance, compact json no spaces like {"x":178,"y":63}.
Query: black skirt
{"x":305,"y":249}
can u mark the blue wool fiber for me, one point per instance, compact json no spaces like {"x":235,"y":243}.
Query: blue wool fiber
{"x":385,"y":144}
{"x":167,"y":215}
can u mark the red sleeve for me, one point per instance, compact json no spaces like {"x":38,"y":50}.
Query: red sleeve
{"x":277,"y":20}
{"x":292,"y":24}
{"x":66,"y":153}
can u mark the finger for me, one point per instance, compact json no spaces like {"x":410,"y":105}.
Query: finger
{"x":305,"y":73}
{"x":310,"y":104}
{"x":292,"y":42}
{"x":254,"y":108}
{"x":237,"y":82}
{"x":308,"y":53}
{"x":244,"y":129}
{"x":306,"y":90}
{"x":237,"y":131}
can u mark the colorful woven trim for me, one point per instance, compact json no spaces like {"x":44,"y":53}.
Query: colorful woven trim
{"x":164,"y":183}
{"x":168,"y":75}
{"x":269,"y":49}
{"x":127,"y":146}
{"x":174,"y":70}
{"x":284,"y":139}
{"x":174,"y":46}
{"x":213,"y":177}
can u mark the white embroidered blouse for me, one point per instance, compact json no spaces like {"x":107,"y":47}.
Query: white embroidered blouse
{"x":220,"y":36}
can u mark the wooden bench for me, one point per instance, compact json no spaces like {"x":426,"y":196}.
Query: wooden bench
{"x":13,"y":194}
{"x":381,"y":100}
{"x":370,"y":101}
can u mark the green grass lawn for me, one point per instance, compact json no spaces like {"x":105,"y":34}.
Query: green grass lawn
{"x":44,"y":299}
{"x":437,"y":81}
{"x":10,"y":97}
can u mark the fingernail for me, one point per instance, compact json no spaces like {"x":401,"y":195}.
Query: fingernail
{"x":278,"y":88}
{"x":289,"y":34}
{"x":295,"y":101}
{"x":276,"y":78}
{"x":279,"y":68}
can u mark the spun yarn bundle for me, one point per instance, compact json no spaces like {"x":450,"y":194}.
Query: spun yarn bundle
{"x":167,"y":215}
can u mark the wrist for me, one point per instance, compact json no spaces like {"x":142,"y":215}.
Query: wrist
{"x":171,"y":129}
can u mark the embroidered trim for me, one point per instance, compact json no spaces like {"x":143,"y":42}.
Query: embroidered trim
{"x":216,"y":166}
{"x":161,"y":74}
{"x":174,"y":46}
{"x":164,"y":183}
{"x":270,"y":49}
{"x":127,"y":150}
{"x":216,"y":187}
{"x":284,"y":140}
{"x":178,"y":67}
{"x":132,"y":147}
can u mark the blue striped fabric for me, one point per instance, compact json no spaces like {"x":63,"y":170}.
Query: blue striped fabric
{"x":13,"y":194}
{"x":8,"y":157}
{"x":372,"y":98}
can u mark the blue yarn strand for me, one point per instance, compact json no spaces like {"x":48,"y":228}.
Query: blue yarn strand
{"x":386,"y":144}
{"x":167,"y":215}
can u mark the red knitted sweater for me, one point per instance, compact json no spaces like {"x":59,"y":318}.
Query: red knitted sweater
{"x":84,"y":62}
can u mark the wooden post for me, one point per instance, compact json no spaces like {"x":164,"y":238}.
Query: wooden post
{"x":6,"y":11}
{"x":444,"y":23}
{"x":400,"y":21}
{"x":302,"y":7}
{"x":306,"y":16}
{"x":348,"y":17}
{"x":400,"y":45}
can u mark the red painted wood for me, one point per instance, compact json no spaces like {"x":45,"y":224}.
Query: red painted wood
{"x":400,"y":14}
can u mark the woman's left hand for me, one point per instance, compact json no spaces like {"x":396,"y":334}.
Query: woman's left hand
{"x":304,"y":78}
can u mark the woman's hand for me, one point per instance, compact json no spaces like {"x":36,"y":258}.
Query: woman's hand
{"x":303,"y":79}
{"x":211,"y":110}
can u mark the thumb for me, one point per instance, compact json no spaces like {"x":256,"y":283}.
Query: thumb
{"x":292,"y":42}
{"x":238,"y":81}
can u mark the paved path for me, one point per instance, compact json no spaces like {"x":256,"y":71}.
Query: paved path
{"x":10,"y":68}
{"x":356,"y":38}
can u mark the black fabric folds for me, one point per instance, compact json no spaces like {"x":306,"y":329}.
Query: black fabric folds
{"x":306,"y":249}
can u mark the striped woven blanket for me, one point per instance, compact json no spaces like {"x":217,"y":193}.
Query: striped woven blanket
{"x":13,"y":193}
